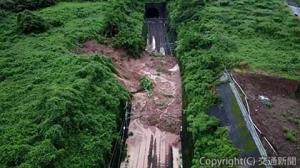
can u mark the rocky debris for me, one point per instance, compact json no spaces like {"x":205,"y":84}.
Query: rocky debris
{"x":155,"y":118}
{"x":265,"y":100}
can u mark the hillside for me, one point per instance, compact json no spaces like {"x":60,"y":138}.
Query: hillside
{"x":58,"y":109}
{"x":249,"y":36}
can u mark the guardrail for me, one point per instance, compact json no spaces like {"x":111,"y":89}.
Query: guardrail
{"x":118,"y":148}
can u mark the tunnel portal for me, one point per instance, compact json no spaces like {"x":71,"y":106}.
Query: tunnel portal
{"x":155,"y":10}
{"x":156,"y":29}
{"x":152,"y":12}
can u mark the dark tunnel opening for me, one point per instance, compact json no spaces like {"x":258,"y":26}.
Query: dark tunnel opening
{"x":152,"y":12}
{"x":155,"y":10}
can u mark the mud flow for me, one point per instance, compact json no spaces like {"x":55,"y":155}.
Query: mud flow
{"x":156,"y":116}
{"x":155,"y":123}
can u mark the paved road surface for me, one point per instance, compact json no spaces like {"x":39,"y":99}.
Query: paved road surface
{"x":294,"y":6}
{"x":157,"y":36}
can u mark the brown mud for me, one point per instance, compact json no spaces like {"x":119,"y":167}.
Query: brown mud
{"x":154,"y":129}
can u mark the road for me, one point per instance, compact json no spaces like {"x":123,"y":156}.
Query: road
{"x":157,"y":38}
{"x":154,"y":129}
{"x":294,"y":7}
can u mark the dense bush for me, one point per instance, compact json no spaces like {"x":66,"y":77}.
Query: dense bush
{"x":214,"y":35}
{"x":146,"y":84}
{"x":124,"y":24}
{"x":2,"y":14}
{"x":28,"y":22}
{"x":20,"y":5}
{"x":201,"y":52}
{"x":57,"y":108}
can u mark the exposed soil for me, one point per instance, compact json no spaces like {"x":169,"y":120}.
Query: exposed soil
{"x":284,"y":112}
{"x":156,"y":117}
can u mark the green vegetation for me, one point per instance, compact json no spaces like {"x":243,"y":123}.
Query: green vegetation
{"x":201,"y":57}
{"x":267,"y":40}
{"x":19,"y":5}
{"x":57,"y":108}
{"x":212,"y":35}
{"x":61,"y":109}
{"x":123,"y":24}
{"x":290,"y":135}
{"x":249,"y":144}
{"x":28,"y":22}
{"x":146,"y":84}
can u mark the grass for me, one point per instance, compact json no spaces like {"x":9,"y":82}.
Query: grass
{"x":290,"y":135}
{"x":298,"y":2}
{"x":58,"y":109}
{"x":267,"y":40}
{"x":249,"y":145}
